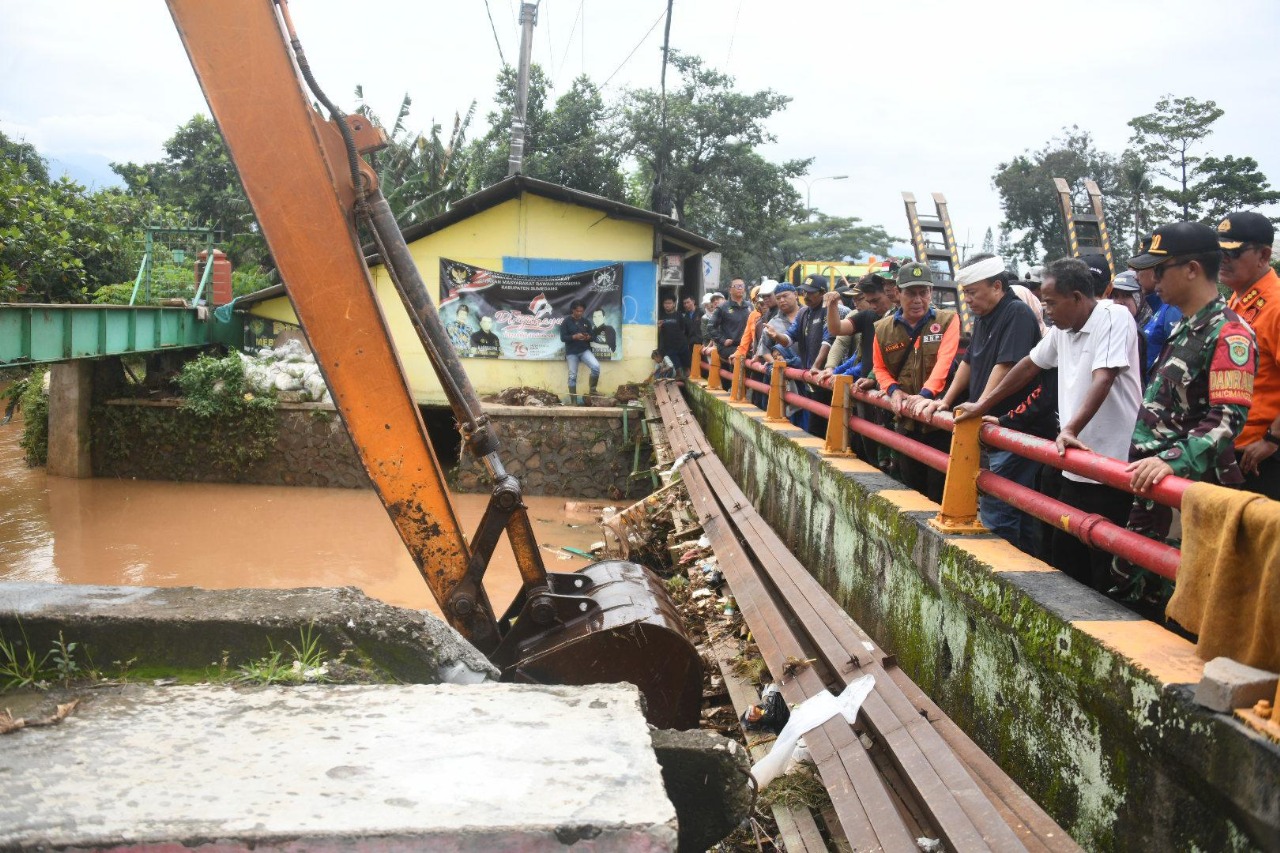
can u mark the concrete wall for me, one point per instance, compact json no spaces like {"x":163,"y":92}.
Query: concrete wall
{"x":584,"y":452}
{"x":527,"y":236}
{"x":1081,"y":702}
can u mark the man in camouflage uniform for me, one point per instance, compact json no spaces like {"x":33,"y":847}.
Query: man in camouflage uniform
{"x":1198,"y":395}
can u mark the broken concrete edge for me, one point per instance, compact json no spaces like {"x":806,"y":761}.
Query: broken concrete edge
{"x":1083,"y":703}
{"x":1229,"y":684}
{"x":193,"y":630}
{"x":707,"y":779}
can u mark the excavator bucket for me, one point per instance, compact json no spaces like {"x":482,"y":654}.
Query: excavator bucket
{"x":615,"y":622}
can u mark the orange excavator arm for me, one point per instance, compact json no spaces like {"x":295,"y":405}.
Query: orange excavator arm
{"x":309,"y":187}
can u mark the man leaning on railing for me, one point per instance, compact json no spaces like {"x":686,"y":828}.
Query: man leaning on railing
{"x":1004,"y":332}
{"x":1094,"y":346}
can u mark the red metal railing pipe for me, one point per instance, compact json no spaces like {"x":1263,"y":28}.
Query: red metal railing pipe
{"x":1099,"y":468}
{"x":1102,"y":469}
{"x":1090,"y":528}
{"x":931,"y":456}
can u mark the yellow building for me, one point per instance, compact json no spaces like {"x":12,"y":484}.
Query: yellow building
{"x":524,"y":226}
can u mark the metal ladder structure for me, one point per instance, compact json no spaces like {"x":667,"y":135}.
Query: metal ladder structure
{"x":935,"y":246}
{"x":1086,"y":232}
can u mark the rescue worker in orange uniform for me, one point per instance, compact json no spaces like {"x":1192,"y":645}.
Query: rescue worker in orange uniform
{"x":1246,"y":240}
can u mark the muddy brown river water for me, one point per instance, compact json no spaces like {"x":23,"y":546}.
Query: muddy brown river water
{"x":149,"y":533}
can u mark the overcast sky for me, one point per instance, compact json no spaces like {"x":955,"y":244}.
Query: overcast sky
{"x":919,"y":95}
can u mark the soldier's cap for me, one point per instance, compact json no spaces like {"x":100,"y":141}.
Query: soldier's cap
{"x":914,"y":274}
{"x":1126,"y":282}
{"x":1174,"y":240}
{"x":1245,"y":227}
{"x":1099,"y":269}
{"x":814,"y":284}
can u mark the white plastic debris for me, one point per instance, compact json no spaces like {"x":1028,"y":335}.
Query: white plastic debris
{"x":805,"y":717}
{"x":459,"y":673}
{"x":929,"y":845}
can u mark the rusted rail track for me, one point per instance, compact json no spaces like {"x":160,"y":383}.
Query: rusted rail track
{"x":921,"y":770}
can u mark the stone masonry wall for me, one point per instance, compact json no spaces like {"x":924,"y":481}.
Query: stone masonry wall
{"x":584,"y":452}
{"x":576,"y":452}
{"x":312,"y":448}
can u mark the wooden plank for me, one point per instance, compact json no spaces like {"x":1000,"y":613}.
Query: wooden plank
{"x":973,"y":819}
{"x":965,"y":819}
{"x":864,"y":806}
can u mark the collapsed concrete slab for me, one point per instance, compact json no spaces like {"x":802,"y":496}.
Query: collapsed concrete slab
{"x":197,"y":629}
{"x":481,"y":767}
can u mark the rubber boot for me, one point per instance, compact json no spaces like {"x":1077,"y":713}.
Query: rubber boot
{"x":574,"y":400}
{"x":595,"y":380}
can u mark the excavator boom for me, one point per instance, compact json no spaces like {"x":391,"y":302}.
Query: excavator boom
{"x":309,"y":187}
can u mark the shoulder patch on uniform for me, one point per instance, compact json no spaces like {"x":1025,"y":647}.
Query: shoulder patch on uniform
{"x":1238,"y":347}
{"x":1231,"y":370}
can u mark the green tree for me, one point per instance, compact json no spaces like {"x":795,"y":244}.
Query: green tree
{"x":489,"y":153}
{"x":420,"y":174}
{"x":989,"y":242}
{"x":826,"y":238}
{"x":576,"y":148}
{"x":197,"y":176}
{"x":1138,"y":191}
{"x":58,"y":241}
{"x":715,"y":180}
{"x":568,"y":143}
{"x":1230,"y":184}
{"x":1165,"y":139}
{"x":1030,"y":200}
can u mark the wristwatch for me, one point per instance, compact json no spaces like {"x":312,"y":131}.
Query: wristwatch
{"x":1271,"y":438}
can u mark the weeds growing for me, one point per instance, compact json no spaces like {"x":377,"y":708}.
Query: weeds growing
{"x":308,"y":663}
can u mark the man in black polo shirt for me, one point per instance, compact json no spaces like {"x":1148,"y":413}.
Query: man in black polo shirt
{"x":730,"y":320}
{"x":1004,"y":331}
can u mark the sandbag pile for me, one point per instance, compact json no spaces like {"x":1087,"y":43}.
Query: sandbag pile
{"x":289,"y":371}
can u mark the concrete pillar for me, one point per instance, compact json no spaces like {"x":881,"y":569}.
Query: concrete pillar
{"x":70,"y":388}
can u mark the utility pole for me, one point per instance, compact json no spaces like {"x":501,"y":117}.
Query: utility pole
{"x":528,"y":17}
{"x":660,"y":201}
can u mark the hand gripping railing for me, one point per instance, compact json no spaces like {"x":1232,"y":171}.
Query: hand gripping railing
{"x":964,"y":476}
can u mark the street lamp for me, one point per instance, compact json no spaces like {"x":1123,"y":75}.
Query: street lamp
{"x":808,"y":189}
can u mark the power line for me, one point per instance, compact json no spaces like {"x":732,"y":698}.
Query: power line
{"x":494,"y":29}
{"x":643,"y":39}
{"x":569,"y":42}
{"x":733,"y":34}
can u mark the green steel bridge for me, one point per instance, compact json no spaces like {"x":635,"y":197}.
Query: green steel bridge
{"x":43,"y":334}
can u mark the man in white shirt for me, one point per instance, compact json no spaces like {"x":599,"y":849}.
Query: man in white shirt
{"x":1094,"y":346}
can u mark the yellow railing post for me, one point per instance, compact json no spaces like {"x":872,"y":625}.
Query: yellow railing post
{"x":695,"y":369}
{"x":738,"y":390}
{"x":777,"y":382}
{"x":713,"y":378}
{"x":959,"y":513}
{"x":838,"y":423}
